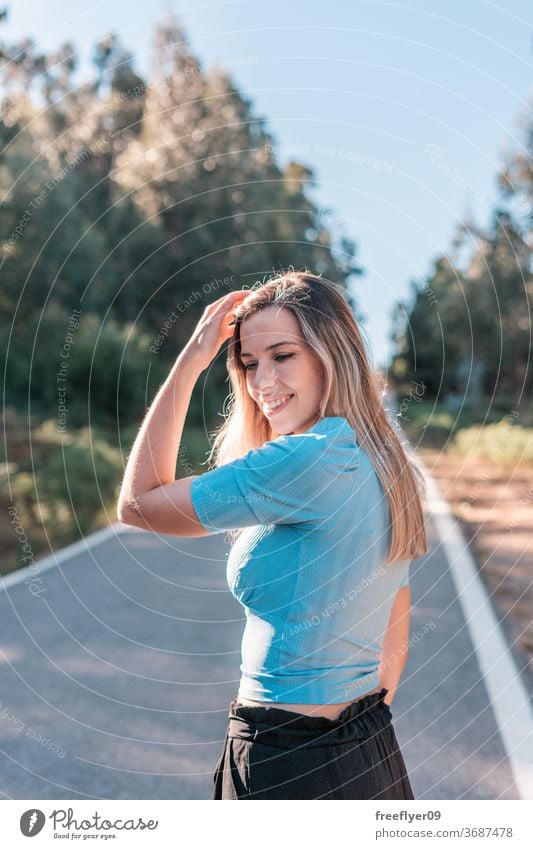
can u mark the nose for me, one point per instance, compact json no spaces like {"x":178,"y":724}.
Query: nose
{"x":263,"y":377}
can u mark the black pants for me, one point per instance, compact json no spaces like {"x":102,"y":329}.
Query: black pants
{"x":272,"y":753}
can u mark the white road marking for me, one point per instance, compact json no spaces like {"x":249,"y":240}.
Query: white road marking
{"x":507,"y":693}
{"x":79,"y":547}
{"x":506,"y":689}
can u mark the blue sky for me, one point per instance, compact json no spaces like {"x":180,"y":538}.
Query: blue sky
{"x":402,"y":110}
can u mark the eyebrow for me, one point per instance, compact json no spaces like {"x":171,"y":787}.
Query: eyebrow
{"x":269,"y":347}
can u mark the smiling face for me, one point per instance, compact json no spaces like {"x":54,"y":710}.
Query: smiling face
{"x":276,"y":371}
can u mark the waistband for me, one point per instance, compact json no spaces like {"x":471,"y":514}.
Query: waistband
{"x":283,"y":728}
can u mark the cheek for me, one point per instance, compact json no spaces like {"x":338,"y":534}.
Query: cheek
{"x":310,"y":371}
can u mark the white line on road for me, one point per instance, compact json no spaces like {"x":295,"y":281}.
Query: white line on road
{"x":501,"y":676}
{"x":79,"y":547}
{"x":506,"y":689}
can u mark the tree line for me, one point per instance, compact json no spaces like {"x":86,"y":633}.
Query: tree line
{"x":137,"y":202}
{"x":128,"y":205}
{"x":465,"y":331}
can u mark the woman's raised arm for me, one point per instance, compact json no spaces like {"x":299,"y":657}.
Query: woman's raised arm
{"x":150,"y":496}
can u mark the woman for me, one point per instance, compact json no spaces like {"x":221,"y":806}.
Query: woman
{"x":325,"y":513}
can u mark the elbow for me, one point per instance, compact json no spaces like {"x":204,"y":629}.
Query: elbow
{"x":125,"y":513}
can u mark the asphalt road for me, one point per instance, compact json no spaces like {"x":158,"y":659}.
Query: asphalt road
{"x":115,"y":680}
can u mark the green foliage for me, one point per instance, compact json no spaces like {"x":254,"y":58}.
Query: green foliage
{"x":60,"y":485}
{"x":107,"y":373}
{"x":111,"y":376}
{"x":74,"y":483}
{"x":130,"y":200}
{"x":467,"y":330}
{"x":432,"y":424}
{"x":503,"y":441}
{"x":125,"y":197}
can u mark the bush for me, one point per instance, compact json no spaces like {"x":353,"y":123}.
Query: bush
{"x":501,"y":442}
{"x":64,"y":485}
{"x":110,"y":375}
{"x":68,"y":485}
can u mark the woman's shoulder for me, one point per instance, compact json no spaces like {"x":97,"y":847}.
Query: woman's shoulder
{"x":333,"y":432}
{"x":329,"y":426}
{"x":331,"y":441}
{"x":335,"y":425}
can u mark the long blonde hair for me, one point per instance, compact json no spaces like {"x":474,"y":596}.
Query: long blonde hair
{"x":330,"y":329}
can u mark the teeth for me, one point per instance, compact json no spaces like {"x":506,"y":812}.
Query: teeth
{"x":275,"y":404}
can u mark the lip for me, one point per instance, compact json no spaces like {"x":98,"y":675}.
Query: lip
{"x":278,"y":409}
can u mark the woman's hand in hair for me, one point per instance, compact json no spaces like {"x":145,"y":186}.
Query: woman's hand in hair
{"x":214,"y":327}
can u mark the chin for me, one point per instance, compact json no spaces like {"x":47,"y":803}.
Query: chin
{"x":286,"y":430}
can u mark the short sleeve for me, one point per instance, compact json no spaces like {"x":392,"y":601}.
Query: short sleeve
{"x":294,"y":478}
{"x":405,"y":580}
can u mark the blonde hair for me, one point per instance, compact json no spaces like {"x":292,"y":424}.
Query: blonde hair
{"x":330,"y":329}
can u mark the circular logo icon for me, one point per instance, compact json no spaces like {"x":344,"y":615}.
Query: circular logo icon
{"x":31,"y":822}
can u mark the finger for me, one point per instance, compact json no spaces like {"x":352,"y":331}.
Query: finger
{"x":229,"y":298}
{"x":233,"y":297}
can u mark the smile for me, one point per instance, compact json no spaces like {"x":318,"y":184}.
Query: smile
{"x":269,"y":409}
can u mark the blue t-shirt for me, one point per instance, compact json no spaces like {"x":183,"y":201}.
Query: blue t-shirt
{"x":308,"y":567}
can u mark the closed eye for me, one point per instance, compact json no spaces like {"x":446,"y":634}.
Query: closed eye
{"x":279,"y":357}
